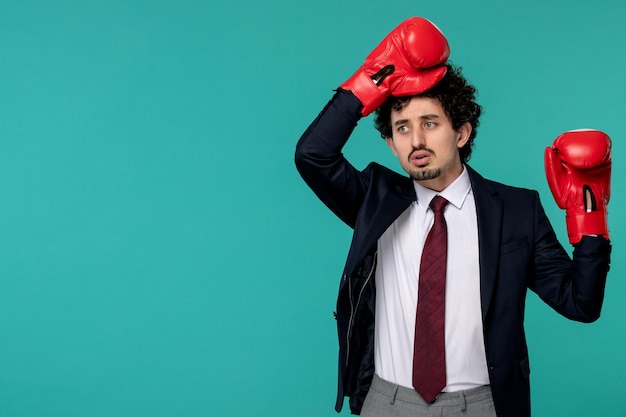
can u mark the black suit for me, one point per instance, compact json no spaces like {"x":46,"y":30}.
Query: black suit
{"x":518,"y":250}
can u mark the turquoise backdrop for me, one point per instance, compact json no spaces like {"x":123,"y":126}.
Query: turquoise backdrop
{"x":159,"y":254}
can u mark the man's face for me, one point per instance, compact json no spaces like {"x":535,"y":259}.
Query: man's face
{"x":426,"y":144}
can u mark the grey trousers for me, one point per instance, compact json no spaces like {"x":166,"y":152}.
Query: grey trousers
{"x":385,"y":399}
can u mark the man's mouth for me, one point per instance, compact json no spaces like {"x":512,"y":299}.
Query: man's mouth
{"x":420,"y":157}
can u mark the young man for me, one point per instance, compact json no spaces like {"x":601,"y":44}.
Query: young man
{"x":431,"y":302}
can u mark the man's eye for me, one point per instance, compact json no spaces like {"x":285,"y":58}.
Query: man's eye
{"x":430,"y":125}
{"x":403,"y":129}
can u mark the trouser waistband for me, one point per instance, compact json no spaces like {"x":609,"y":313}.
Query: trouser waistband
{"x":458,"y":398}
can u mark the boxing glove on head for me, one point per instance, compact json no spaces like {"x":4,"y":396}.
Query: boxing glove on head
{"x":408,"y":61}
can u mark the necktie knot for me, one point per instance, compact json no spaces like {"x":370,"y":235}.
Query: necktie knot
{"x":438,"y":203}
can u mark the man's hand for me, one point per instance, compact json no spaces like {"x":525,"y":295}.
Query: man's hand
{"x":578,"y":168}
{"x":408,"y":61}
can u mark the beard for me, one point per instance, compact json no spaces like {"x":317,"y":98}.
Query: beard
{"x":424,"y":174}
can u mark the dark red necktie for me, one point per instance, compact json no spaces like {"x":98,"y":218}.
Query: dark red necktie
{"x":429,"y":357}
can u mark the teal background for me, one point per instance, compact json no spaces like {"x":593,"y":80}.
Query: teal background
{"x":159,"y":254}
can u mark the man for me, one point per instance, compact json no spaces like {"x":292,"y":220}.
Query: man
{"x":431,"y":302}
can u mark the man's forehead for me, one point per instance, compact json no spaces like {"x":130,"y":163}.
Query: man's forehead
{"x":422,"y":105}
{"x":418,"y":114}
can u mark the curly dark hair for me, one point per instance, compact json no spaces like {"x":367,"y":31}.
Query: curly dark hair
{"x":457,"y":97}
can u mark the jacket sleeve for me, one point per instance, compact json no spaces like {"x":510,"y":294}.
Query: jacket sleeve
{"x":320,"y":161}
{"x":574,"y":288}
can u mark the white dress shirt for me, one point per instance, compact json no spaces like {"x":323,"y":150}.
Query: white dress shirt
{"x":397,"y":272}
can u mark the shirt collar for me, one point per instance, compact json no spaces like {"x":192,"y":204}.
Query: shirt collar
{"x":455,"y":193}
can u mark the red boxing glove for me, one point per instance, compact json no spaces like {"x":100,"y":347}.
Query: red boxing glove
{"x":578,"y":168}
{"x":408,"y":61}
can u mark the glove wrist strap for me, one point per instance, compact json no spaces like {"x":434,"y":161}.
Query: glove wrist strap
{"x":368,"y":93}
{"x":583,"y":224}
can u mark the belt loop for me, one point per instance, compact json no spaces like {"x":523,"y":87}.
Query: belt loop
{"x":393,"y":394}
{"x":463,"y":402}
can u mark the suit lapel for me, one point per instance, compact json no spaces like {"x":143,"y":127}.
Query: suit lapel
{"x":385,"y":210}
{"x":489,"y":216}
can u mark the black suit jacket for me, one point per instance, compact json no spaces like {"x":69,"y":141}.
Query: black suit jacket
{"x":518,"y":250}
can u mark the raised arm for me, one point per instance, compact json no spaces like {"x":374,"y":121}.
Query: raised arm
{"x":408,"y":61}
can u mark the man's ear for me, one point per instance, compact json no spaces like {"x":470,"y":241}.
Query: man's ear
{"x":389,"y":141}
{"x":464,"y":134}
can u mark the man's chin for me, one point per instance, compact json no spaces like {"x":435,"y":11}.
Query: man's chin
{"x":424,"y":174}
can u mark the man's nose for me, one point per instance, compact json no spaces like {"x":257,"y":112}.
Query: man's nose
{"x":418,"y":139}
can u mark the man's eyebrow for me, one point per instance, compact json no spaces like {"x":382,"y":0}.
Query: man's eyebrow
{"x":428,"y":116}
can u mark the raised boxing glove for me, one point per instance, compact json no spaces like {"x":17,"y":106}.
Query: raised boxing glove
{"x":578,"y":169}
{"x":408,"y":61}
